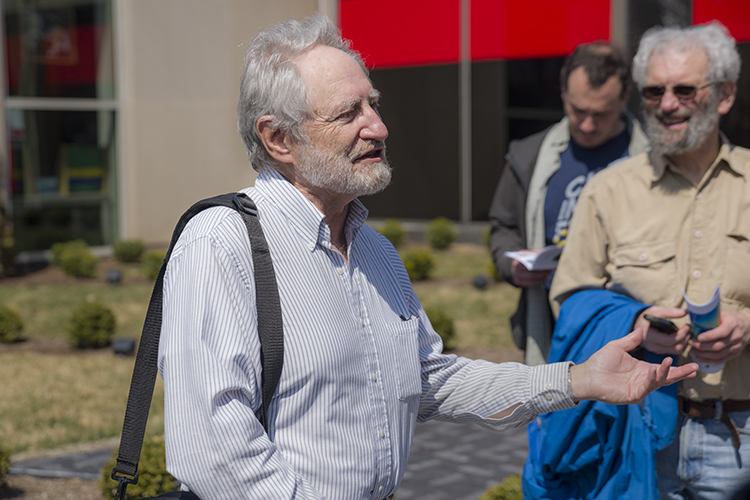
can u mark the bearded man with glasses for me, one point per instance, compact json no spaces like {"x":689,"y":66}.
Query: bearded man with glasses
{"x":672,"y":221}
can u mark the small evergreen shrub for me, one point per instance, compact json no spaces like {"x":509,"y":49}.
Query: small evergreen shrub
{"x":59,"y":248}
{"x":394,"y":231}
{"x":92,"y":325}
{"x":127,"y":251}
{"x":441,"y":233}
{"x":74,"y":258}
{"x":4,"y":463}
{"x":419,"y":263}
{"x":443,"y":324}
{"x":153,"y":478}
{"x":493,"y":271}
{"x":487,"y":237}
{"x":11,"y":325}
{"x":152,"y":262}
{"x":508,"y":489}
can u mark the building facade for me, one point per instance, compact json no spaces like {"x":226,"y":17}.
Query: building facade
{"x":119,"y":114}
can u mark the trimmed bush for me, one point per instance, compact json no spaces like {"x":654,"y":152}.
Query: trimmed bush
{"x":4,"y":463}
{"x":74,"y":258}
{"x":394,"y":231}
{"x":419,"y":263}
{"x":153,"y":478}
{"x":11,"y":325}
{"x":92,"y":325}
{"x":493,"y":271}
{"x":508,"y":489}
{"x":443,"y":324}
{"x":152,"y":262}
{"x":59,"y":248}
{"x":441,"y":233}
{"x":127,"y":251}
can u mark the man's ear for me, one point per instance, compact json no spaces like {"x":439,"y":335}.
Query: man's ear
{"x":274,"y":139}
{"x":727,"y":93}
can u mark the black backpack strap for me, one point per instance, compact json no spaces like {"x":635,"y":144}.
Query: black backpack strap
{"x":270,"y":333}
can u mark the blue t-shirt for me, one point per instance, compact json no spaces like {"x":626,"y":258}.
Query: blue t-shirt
{"x":577,"y":166}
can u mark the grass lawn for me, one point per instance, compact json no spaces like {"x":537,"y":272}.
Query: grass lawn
{"x":49,"y":400}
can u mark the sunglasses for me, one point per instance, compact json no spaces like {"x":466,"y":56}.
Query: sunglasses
{"x":682,"y":92}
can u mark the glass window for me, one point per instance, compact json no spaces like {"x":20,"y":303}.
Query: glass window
{"x":62,"y":177}
{"x":59,"y":48}
{"x":60,"y":118}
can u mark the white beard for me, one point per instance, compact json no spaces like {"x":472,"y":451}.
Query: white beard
{"x":701,"y":123}
{"x":336,"y":172}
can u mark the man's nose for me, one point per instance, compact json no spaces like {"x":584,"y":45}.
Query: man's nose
{"x":374,"y":127}
{"x":587,"y":125}
{"x":669,"y":102}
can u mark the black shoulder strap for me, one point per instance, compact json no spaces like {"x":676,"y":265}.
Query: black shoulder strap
{"x":269,"y":330}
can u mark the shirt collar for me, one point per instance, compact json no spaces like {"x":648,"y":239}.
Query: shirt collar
{"x":302,"y":215}
{"x":661,"y":162}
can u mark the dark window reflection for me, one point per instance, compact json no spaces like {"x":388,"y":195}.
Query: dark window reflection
{"x":59,"y":48}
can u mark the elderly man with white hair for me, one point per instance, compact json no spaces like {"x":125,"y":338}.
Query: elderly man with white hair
{"x":674,"y":219}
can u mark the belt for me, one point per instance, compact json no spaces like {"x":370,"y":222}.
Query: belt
{"x":708,"y":409}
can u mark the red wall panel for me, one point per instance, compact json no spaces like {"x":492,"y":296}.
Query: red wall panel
{"x":734,"y":14}
{"x":402,"y":32}
{"x":513,"y":29}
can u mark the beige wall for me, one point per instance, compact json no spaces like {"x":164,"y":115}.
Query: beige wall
{"x":179,"y":69}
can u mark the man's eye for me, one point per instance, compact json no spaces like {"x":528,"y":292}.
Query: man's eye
{"x":375,"y":105}
{"x":348,"y":115}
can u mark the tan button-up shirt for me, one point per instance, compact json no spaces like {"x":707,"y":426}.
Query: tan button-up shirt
{"x":644,"y":230}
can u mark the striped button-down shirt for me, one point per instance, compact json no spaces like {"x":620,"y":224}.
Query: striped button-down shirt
{"x":362,"y":364}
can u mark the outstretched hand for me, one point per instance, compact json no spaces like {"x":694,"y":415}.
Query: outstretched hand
{"x":613,"y":376}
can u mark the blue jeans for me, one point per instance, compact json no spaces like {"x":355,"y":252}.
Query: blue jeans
{"x":702,"y":462}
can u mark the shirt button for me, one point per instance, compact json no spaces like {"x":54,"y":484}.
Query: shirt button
{"x":698,"y":196}
{"x":374,"y":377}
{"x":642,"y":257}
{"x":699,"y":234}
{"x":340,"y":270}
{"x":548,"y":396}
{"x":696,"y":274}
{"x":380,"y":489}
{"x":382,"y":433}
{"x":311,"y":245}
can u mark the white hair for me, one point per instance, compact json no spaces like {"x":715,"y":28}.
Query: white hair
{"x":713,"y":37}
{"x":271,"y":84}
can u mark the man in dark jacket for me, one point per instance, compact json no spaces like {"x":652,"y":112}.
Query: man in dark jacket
{"x":545,"y":173}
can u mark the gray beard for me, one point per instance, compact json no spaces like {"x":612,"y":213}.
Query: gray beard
{"x":700,"y":125}
{"x":335,"y":172}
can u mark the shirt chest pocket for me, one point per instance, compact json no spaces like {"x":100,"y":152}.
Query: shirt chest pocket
{"x":406,"y":365}
{"x":647,"y":272}
{"x":736,"y":286}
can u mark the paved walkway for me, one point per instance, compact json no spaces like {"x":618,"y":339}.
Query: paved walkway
{"x":448,"y":462}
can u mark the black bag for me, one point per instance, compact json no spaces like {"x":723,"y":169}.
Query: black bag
{"x":144,"y":373}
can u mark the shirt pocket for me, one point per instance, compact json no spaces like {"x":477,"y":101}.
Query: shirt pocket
{"x":736,"y":285}
{"x":405,"y":341}
{"x":647,"y":272}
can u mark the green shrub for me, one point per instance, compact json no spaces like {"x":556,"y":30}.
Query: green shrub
{"x":508,"y":489}
{"x":4,"y":463}
{"x":153,"y":478}
{"x":419,"y":263}
{"x":394,"y":231}
{"x":441,"y":233}
{"x":443,"y":324}
{"x":129,"y":250}
{"x":92,"y":325}
{"x":59,"y":248}
{"x":152,"y":262}
{"x":74,"y":258}
{"x":493,"y":271}
{"x":11,"y":325}
{"x":487,"y":237}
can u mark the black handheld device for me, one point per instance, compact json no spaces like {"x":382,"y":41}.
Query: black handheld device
{"x":661,"y":324}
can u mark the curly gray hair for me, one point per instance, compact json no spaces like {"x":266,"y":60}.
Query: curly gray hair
{"x":271,"y":85}
{"x":713,"y":37}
